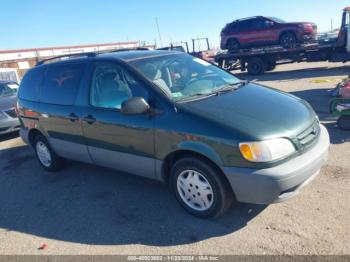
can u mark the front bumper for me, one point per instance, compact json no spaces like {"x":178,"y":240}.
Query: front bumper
{"x":279,"y":183}
{"x":309,"y":37}
{"x":9,"y":125}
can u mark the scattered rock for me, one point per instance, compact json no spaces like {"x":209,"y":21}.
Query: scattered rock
{"x":42,"y":247}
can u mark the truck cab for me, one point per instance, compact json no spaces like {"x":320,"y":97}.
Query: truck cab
{"x":344,"y":32}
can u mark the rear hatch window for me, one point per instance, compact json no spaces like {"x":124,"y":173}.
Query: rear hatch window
{"x":30,"y":85}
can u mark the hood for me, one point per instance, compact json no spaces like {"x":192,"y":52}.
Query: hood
{"x":7,"y":102}
{"x":300,"y":23}
{"x":259,"y":112}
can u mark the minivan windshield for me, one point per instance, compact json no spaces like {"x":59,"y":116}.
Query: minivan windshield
{"x":8,"y":89}
{"x":184,"y":77}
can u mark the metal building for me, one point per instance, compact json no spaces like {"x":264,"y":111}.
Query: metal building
{"x":14,"y":63}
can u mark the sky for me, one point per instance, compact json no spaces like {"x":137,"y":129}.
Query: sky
{"x":46,"y":23}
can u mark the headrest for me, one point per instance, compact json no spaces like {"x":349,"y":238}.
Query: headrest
{"x":109,"y":76}
{"x":152,"y":72}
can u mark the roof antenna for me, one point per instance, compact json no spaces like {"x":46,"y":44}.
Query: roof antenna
{"x":159,"y":35}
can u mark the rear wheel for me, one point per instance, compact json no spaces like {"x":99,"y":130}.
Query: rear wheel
{"x":233,"y":45}
{"x":270,"y":65}
{"x":48,"y":159}
{"x":288,"y":40}
{"x":344,"y":122}
{"x":199,"y":188}
{"x":256,"y":66}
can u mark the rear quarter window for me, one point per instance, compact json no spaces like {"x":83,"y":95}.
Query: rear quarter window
{"x":61,"y":84}
{"x":30,"y":85}
{"x":232,"y":27}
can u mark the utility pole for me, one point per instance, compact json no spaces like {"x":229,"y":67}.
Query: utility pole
{"x":159,"y":35}
{"x":331,"y":24}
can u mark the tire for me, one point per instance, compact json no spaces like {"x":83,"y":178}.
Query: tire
{"x":233,"y":45}
{"x":199,"y":188}
{"x":271,"y":65}
{"x":256,"y":66}
{"x":221,"y":63}
{"x":344,"y":123}
{"x":47,"y":158}
{"x":288,"y":40}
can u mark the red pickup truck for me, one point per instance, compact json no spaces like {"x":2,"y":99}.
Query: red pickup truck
{"x":261,"y":31}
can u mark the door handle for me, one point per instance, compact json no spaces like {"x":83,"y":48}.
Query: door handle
{"x":73,"y":117}
{"x":89,"y":119}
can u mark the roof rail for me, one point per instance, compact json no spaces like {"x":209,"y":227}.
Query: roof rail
{"x":89,"y":54}
{"x":132,"y":49}
{"x":122,"y":49}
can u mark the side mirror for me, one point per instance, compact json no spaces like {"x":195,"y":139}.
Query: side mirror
{"x":135,"y":106}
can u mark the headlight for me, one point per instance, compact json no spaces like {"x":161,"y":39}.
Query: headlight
{"x":268,"y":150}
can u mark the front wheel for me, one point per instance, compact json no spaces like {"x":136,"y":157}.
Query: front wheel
{"x":256,"y":66}
{"x":271,"y":65}
{"x":288,"y":40}
{"x":199,"y":188}
{"x":344,"y":122}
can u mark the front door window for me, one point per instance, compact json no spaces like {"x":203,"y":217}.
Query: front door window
{"x":111,"y":86}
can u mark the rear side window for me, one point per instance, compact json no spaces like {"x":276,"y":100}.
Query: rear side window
{"x":261,"y":23}
{"x":231,"y":27}
{"x":61,"y":84}
{"x":30,"y":85}
{"x":247,"y":24}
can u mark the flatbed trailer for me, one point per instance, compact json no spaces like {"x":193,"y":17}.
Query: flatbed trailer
{"x":259,"y":60}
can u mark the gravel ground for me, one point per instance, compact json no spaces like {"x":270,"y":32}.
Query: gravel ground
{"x":91,"y":210}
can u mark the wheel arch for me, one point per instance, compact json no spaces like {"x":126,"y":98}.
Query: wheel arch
{"x":32,"y":133}
{"x":206,"y":156}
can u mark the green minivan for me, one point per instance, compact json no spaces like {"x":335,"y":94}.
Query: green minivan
{"x":169,"y":116}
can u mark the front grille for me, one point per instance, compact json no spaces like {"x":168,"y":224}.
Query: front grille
{"x":3,"y":129}
{"x":308,"y":136}
{"x":11,"y":112}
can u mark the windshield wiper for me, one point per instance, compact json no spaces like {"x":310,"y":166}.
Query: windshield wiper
{"x":196,"y":96}
{"x":221,"y":90}
{"x":229,"y":87}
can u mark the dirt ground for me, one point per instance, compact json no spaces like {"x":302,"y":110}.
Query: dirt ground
{"x":91,"y":210}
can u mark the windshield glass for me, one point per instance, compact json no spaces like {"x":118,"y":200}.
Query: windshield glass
{"x":8,"y":89}
{"x":183,"y":76}
{"x":278,"y":20}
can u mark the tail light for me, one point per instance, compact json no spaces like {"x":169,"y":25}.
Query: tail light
{"x":16,"y":109}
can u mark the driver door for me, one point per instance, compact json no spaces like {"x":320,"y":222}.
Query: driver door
{"x":115,"y":140}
